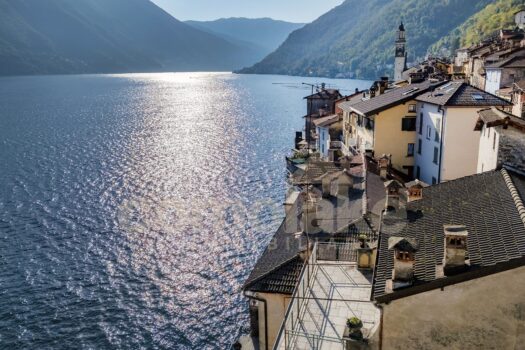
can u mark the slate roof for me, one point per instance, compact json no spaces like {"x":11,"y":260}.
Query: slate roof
{"x":325,"y":121}
{"x":314,"y":170}
{"x":389,"y":99}
{"x":489,"y":205}
{"x":512,"y":62}
{"x":326,"y":94}
{"x":495,"y":117}
{"x":282,"y":250}
{"x":461,"y":94}
{"x":282,"y":280}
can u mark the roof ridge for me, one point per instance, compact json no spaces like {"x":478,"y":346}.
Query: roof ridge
{"x":460,"y":87}
{"x":515,"y":194}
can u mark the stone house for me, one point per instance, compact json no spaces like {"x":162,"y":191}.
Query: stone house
{"x":502,"y":140}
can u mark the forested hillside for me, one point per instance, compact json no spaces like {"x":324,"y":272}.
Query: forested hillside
{"x":493,"y":17}
{"x":356,"y":39}
{"x":106,"y":36}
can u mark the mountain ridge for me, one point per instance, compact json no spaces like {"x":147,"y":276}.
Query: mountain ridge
{"x":363,"y":47}
{"x":106,"y":36}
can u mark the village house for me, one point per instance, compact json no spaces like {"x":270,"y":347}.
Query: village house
{"x":319,"y":104}
{"x":450,"y":272}
{"x":517,"y":97}
{"x":502,"y":140}
{"x":447,"y":146}
{"x":506,"y":72}
{"x":328,"y":134}
{"x":339,"y":204}
{"x":386,"y":124}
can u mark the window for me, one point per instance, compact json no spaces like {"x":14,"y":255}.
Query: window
{"x":418,"y":172}
{"x":421,"y":124}
{"x":436,"y":155}
{"x":419,"y":146}
{"x":408,"y":124}
{"x":434,"y":181}
{"x":429,"y":132}
{"x":411,"y":108}
{"x":438,"y":129}
{"x":369,"y":124}
{"x":494,"y":142}
{"x":410,"y":150}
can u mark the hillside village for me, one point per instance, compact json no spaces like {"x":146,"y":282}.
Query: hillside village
{"x":405,"y":218}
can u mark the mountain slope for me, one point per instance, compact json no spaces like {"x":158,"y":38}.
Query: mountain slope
{"x":493,"y":17}
{"x":101,"y":36}
{"x":266,"y":33}
{"x":356,"y":39}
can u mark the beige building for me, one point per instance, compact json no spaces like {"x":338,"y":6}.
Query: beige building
{"x":385,"y":124}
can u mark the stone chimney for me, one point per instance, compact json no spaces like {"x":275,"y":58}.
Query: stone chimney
{"x":384,"y":166}
{"x":404,"y":260}
{"x":392,"y":195}
{"x":454,"y":257}
{"x":309,"y":215}
{"x":415,"y":190}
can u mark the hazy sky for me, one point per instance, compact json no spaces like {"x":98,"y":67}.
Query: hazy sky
{"x":288,"y":10}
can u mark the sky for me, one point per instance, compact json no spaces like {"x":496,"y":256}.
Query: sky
{"x":299,"y":11}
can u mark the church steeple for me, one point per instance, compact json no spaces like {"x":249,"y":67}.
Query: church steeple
{"x":401,"y":55}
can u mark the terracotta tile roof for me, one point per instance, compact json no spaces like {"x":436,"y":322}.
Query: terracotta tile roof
{"x":490,"y":205}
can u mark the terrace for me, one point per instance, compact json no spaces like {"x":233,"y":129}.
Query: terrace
{"x":331,"y":290}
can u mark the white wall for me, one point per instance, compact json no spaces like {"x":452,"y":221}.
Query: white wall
{"x":460,"y":143}
{"x":492,"y":84}
{"x":488,"y":154}
{"x":323,"y":142}
{"x":425,"y":161}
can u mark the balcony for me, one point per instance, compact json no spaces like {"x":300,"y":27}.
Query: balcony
{"x":331,"y":290}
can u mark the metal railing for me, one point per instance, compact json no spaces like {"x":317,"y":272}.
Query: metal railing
{"x":290,"y":333}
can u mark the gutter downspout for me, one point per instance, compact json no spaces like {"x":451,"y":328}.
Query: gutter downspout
{"x":441,"y":142}
{"x":381,"y":322}
{"x":265,"y":316}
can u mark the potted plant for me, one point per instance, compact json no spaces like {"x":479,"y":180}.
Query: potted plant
{"x":363,"y":238}
{"x":354,"y":325}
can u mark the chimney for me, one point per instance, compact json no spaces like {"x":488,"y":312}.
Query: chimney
{"x":342,"y":184}
{"x":372,"y":92}
{"x":323,"y":86}
{"x":309,"y":215}
{"x":454,"y":257}
{"x":415,"y":190}
{"x":404,"y":260}
{"x":392,"y":196}
{"x":384,"y":165}
{"x":356,"y":91}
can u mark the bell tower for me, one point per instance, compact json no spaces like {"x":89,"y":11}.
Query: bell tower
{"x":401,"y":54}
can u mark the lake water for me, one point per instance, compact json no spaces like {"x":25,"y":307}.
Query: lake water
{"x":132,"y":207}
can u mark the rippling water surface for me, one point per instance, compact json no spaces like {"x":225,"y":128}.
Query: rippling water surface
{"x":132,"y":207}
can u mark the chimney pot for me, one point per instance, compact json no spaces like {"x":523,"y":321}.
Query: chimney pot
{"x":454,"y":257}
